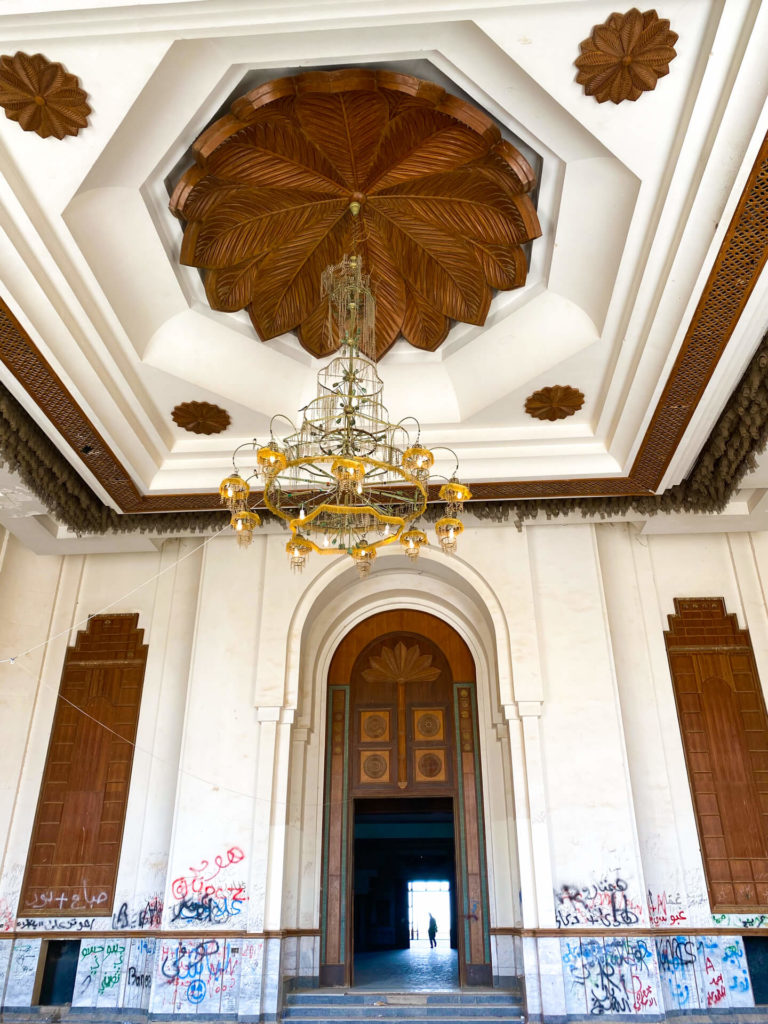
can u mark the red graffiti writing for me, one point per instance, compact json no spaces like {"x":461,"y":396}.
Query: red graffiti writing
{"x":196,"y":882}
{"x":642,"y":995}
{"x":665,"y":909}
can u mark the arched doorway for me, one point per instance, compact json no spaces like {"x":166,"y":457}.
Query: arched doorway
{"x":402,"y":735}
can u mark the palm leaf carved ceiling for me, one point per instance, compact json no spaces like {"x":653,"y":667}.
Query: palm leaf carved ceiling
{"x":445,"y":205}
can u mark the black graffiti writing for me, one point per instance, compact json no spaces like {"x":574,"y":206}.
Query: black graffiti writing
{"x":675,"y":952}
{"x":56,"y":924}
{"x":149,"y":916}
{"x":210,"y":908}
{"x":137,"y":979}
{"x":606,"y":904}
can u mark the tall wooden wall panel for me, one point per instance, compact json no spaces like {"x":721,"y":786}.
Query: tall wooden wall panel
{"x":724,"y":728}
{"x":75,"y":846}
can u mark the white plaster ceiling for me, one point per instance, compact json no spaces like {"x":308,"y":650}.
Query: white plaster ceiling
{"x":633,"y":200}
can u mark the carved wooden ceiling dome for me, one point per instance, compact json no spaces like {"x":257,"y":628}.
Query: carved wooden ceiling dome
{"x":444,"y":205}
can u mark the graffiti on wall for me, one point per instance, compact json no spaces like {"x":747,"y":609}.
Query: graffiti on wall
{"x":114,"y":972}
{"x":653,"y":975}
{"x":22,"y":972}
{"x":100,"y":967}
{"x":604,"y":904}
{"x":209,"y":894}
{"x":703,"y":972}
{"x":74,"y":899}
{"x":200,"y":974}
{"x":739,"y":921}
{"x":148,"y":915}
{"x":7,"y":916}
{"x":60,"y":924}
{"x":666,"y":909}
{"x":609,"y":976}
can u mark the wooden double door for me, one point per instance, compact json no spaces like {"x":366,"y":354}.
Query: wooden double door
{"x":402,"y":724}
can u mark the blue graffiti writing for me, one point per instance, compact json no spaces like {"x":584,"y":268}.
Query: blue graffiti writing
{"x":193,"y":961}
{"x":196,"y":991}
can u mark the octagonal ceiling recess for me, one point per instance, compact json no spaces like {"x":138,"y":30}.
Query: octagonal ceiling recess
{"x":443,"y":200}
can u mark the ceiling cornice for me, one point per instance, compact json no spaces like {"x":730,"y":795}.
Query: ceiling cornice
{"x":729,"y":453}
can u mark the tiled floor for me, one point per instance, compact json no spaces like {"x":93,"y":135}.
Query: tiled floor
{"x":419,"y":968}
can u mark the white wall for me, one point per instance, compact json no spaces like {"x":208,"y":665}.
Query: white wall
{"x":587,"y":808}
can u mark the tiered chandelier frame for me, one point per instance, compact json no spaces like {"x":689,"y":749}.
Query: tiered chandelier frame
{"x":347,"y":480}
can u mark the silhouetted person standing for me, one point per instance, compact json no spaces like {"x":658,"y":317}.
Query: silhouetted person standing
{"x":432,"y":932}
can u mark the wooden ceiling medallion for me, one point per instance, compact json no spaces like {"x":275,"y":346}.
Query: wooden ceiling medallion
{"x":554,"y":403}
{"x":444,"y":205}
{"x":42,"y":96}
{"x":201,"y":417}
{"x":625,"y":56}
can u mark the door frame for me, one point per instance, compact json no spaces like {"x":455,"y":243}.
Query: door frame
{"x":337,"y":863}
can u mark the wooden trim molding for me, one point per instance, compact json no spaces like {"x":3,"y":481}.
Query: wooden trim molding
{"x":726,"y":457}
{"x":722,"y":463}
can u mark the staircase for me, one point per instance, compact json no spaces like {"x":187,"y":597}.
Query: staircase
{"x":351,"y":1006}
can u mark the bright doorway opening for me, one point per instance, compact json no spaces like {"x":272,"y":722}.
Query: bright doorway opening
{"x":404,"y":870}
{"x":429,"y":901}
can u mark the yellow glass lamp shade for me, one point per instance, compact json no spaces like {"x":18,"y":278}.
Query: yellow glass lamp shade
{"x":244,"y":522}
{"x":413,"y":541}
{"x":234,"y":492}
{"x":348,"y":469}
{"x":350,"y":474}
{"x":363,"y":557}
{"x":448,"y":529}
{"x":455,"y":494}
{"x":418,"y":461}
{"x":298,"y":549}
{"x":270,"y":459}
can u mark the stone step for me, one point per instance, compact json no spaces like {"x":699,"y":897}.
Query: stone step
{"x":363,"y":1017}
{"x":455,"y":1011}
{"x":355,"y":1007}
{"x":489,"y":997}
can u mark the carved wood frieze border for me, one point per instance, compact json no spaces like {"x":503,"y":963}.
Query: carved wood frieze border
{"x":737,"y":267}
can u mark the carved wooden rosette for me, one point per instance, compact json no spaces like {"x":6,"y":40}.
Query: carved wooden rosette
{"x":201,"y":417}
{"x":42,"y":96}
{"x":625,"y":56}
{"x":554,"y":403}
{"x":443,"y":205}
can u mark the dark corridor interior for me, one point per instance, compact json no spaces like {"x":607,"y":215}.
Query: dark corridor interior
{"x":398,"y":841}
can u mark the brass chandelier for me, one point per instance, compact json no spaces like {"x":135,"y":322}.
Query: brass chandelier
{"x":346,"y":480}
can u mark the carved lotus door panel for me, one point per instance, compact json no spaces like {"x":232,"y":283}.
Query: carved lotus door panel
{"x":402,"y":722}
